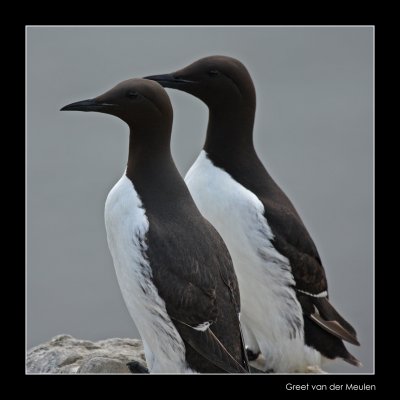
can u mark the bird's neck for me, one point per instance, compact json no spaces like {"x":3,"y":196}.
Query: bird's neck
{"x":154,"y":175}
{"x":230,"y":132}
{"x":149,"y":151}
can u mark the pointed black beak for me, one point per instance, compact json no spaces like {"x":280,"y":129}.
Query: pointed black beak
{"x":168,"y":80}
{"x":87,"y":105}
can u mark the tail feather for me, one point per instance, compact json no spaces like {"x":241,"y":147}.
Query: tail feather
{"x":329,"y":313}
{"x":322,"y":313}
{"x":329,"y":345}
{"x":325,"y":329}
{"x":209,"y":346}
{"x":352,"y":360}
{"x":333,"y":327}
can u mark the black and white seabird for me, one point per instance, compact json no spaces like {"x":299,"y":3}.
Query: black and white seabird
{"x":286,"y":314}
{"x":173,"y":268}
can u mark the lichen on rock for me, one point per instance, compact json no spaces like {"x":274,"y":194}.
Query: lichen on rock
{"x":66,"y":355}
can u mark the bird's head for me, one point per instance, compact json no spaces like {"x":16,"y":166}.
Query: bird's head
{"x":134,"y":101}
{"x":214,"y":80}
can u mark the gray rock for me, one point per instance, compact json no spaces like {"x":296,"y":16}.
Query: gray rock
{"x":66,"y":355}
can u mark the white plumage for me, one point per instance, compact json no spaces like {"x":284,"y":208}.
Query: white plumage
{"x":126,"y":225}
{"x":271,"y":315}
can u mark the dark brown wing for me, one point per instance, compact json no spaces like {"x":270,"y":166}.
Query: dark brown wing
{"x":195,"y":277}
{"x":293,"y":241}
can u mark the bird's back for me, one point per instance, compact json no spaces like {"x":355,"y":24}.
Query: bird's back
{"x":189,"y":266}
{"x":184,"y":245}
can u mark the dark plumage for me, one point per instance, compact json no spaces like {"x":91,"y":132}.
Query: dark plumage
{"x":226,"y":87}
{"x":190,"y":264}
{"x":192,"y":269}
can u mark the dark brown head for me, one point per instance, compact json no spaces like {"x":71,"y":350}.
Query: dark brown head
{"x":216,"y":80}
{"x":138,"y":102}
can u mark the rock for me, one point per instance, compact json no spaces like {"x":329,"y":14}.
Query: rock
{"x":66,"y":355}
{"x":103,"y":365}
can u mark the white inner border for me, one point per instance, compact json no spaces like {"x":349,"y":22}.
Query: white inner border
{"x":207,"y":26}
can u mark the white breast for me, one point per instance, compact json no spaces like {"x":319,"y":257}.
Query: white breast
{"x":271,"y":314}
{"x":126,"y":225}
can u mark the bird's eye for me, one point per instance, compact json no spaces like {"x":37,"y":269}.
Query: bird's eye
{"x":132,"y":95}
{"x":213,"y":72}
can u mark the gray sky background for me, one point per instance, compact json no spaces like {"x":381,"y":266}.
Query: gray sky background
{"x":313,"y":131}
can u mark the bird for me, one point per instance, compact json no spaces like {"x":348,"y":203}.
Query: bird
{"x":288,"y":321}
{"x":173,"y":268}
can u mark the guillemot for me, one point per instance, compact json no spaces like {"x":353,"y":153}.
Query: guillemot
{"x":289,"y":324}
{"x":174,"y":270}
